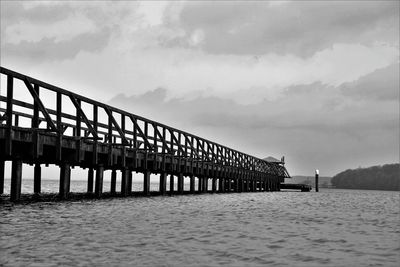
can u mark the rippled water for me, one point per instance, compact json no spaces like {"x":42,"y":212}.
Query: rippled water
{"x":329,"y":228}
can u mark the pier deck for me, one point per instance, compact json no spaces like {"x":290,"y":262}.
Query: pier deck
{"x":73,"y":130}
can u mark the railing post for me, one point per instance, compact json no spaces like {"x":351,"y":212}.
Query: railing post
{"x":35,"y":119}
{"x":9,"y":112}
{"x":59,"y":127}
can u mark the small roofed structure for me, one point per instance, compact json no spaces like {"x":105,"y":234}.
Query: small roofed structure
{"x":271,"y":159}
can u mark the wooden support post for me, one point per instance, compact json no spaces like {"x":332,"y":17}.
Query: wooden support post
{"x":90,"y":180}
{"x":163,"y":183}
{"x":171,"y":184}
{"x":192,"y":184}
{"x":180,"y":183}
{"x":129,"y":182}
{"x":124,"y":181}
{"x":2,"y":164}
{"x":221,"y":185}
{"x":146,"y":183}
{"x":316,"y":180}
{"x":205,"y":184}
{"x":214,"y":185}
{"x":98,"y":188}
{"x":65,"y":180}
{"x":37,"y":177}
{"x":113,"y":181}
{"x":199,"y":184}
{"x":16,"y":180}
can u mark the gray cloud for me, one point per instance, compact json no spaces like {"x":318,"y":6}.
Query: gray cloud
{"x":313,"y":125}
{"x":48,"y":49}
{"x":300,"y":28}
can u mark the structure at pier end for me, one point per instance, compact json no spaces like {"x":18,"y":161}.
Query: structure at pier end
{"x":74,"y":130}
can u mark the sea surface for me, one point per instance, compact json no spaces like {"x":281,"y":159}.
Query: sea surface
{"x":329,"y":228}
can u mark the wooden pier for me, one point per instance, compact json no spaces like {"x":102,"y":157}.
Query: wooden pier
{"x":73,"y":130}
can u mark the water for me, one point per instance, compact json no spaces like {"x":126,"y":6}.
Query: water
{"x":329,"y":228}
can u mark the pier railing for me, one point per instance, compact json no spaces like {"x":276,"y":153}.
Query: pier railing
{"x":71,"y":115}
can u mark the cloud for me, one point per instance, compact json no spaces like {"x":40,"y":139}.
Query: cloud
{"x":300,"y":28}
{"x":334,"y":130}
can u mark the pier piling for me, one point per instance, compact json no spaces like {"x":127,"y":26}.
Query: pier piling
{"x":16,"y":180}
{"x":163,"y":183}
{"x":2,"y":169}
{"x":37,"y":178}
{"x":146,"y":183}
{"x":113,"y":181}
{"x":98,"y":188}
{"x":90,"y":180}
{"x":65,"y":179}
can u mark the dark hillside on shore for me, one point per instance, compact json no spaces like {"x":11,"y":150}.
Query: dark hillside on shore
{"x":386,"y":177}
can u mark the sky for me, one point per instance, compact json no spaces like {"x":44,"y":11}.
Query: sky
{"x":316,"y":82}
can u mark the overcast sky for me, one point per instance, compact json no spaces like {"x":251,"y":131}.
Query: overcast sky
{"x":317,"y":82}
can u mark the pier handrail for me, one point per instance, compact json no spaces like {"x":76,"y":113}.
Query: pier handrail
{"x":145,"y":134}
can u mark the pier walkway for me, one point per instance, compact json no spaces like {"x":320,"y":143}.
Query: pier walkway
{"x":51,"y":125}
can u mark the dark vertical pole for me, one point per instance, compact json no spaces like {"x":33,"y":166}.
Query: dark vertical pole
{"x":199,"y":184}
{"x":229,"y":185}
{"x":316,"y":180}
{"x":163,"y":183}
{"x":90,"y":180}
{"x":98,"y":188}
{"x":37,"y":178}
{"x":171,"y":184}
{"x":95,"y":124}
{"x":59,"y":127}
{"x":124,"y":181}
{"x":180,"y":183}
{"x":221,"y":185}
{"x":205,"y":184}
{"x":146,"y":183}
{"x":129,"y":182}
{"x":10,"y":86}
{"x":214,"y":185}
{"x":16,"y":180}
{"x":113,"y":181}
{"x":2,"y":164}
{"x":35,"y":119}
{"x":65,"y":179}
{"x":192,"y":184}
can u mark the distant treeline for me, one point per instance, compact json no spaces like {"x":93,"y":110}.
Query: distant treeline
{"x":386,"y":177}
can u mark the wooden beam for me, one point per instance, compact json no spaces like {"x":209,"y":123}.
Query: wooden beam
{"x":44,"y":111}
{"x":82,"y":115}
